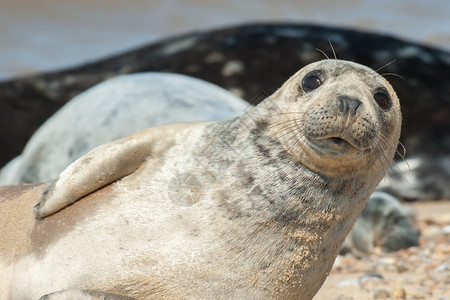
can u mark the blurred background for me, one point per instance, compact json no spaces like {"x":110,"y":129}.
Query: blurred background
{"x":51,"y":34}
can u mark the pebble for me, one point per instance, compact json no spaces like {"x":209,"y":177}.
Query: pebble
{"x":442,"y":268}
{"x":430,"y":283}
{"x":381,"y":294}
{"x":446,"y":230}
{"x":348,"y":282}
{"x":399,"y":293}
{"x":420,"y":272}
{"x":371,"y":280}
{"x":377,"y":251}
{"x":432,"y":230}
{"x":388,"y":260}
{"x":402,"y":268}
{"x":339,"y":263}
{"x":443,"y":219}
{"x":343,"y":297}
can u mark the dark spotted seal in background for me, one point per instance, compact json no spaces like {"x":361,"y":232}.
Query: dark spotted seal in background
{"x":252,"y":61}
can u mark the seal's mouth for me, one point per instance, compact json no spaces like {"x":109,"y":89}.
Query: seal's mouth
{"x":338,"y":143}
{"x":337,"y":140}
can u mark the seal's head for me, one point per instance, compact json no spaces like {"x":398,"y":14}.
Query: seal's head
{"x":338,"y":116}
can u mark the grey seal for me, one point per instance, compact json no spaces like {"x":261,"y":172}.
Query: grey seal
{"x":114,"y":109}
{"x":236,"y":58}
{"x":383,"y":223}
{"x":253,"y":207}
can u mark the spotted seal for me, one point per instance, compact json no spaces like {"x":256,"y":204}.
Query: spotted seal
{"x":253,"y":207}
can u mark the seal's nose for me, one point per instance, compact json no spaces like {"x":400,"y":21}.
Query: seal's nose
{"x":348,"y":105}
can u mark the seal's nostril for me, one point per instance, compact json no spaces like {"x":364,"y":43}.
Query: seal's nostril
{"x":348,"y":105}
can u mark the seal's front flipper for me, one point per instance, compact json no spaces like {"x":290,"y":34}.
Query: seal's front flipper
{"x":84,"y":295}
{"x":105,"y":164}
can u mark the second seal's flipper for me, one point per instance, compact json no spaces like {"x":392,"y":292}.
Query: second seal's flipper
{"x":105,"y":164}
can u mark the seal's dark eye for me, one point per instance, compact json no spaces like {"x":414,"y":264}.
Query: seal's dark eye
{"x":382,"y":99}
{"x":311,"y":82}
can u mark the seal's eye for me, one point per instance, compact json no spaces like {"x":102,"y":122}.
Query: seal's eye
{"x":311,"y":82}
{"x":382,"y":99}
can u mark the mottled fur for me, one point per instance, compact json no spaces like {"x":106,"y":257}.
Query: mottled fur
{"x":253,"y":207}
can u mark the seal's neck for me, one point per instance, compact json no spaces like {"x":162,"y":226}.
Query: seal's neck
{"x":294,"y":220}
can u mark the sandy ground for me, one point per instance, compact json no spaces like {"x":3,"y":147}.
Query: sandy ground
{"x":421,"y":272}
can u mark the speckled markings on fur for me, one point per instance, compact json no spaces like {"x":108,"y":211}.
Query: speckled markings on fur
{"x":253,"y":207}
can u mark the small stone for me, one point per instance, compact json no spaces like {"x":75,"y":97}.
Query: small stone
{"x":432,"y":230}
{"x":443,"y":268}
{"x":402,"y":268}
{"x":428,"y":283}
{"x":443,"y":219}
{"x":427,"y":252}
{"x":371,"y":275}
{"x":343,"y":297}
{"x":388,"y":260}
{"x":377,"y":251}
{"x":446,"y":230}
{"x":371,"y":280}
{"x":348,"y":282}
{"x":338,"y":263}
{"x":399,"y":293}
{"x":381,"y":294}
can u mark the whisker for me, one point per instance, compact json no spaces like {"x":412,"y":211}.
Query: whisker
{"x":295,"y":143}
{"x":287,"y":129}
{"x":402,"y":155}
{"x":394,"y":163}
{"x":332,"y":49}
{"x":322,"y":53}
{"x":385,"y":161}
{"x":393,"y":74}
{"x":384,"y":66}
{"x":281,"y":123}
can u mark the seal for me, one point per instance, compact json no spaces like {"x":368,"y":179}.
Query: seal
{"x":253,"y":207}
{"x":114,"y":109}
{"x":420,"y":177}
{"x":231,"y":58}
{"x":383,"y":223}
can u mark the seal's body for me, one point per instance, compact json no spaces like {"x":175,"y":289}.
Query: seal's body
{"x":232,"y":58}
{"x":253,"y":207}
{"x":112,"y":110}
